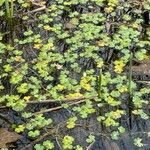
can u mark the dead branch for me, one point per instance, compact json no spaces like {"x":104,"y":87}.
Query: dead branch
{"x":35,"y":141}
{"x":37,"y":10}
{"x":65,"y":100}
{"x":57,"y":108}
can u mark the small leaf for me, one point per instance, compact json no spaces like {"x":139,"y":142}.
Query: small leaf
{"x":115,"y":135}
{"x":20,"y":128}
{"x":90,"y":139}
{"x":121,"y":129}
{"x":138,"y":142}
{"x":2,"y":2}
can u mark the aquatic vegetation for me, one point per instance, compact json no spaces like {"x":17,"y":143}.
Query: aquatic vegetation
{"x":68,"y":142}
{"x":75,"y":55}
{"x":45,"y":145}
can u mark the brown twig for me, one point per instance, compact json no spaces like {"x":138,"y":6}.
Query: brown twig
{"x":144,"y":82}
{"x":57,"y":131}
{"x":57,"y":108}
{"x":90,"y":146}
{"x":37,"y":10}
{"x":3,"y":107}
{"x":69,"y":102}
{"x":51,"y":131}
{"x":43,"y":101}
{"x":35,"y":141}
{"x":53,"y":100}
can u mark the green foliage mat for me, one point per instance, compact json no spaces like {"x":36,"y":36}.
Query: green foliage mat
{"x":75,"y":55}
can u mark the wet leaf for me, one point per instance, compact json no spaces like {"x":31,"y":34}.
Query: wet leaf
{"x":7,"y":137}
{"x":138,"y":142}
{"x":143,"y":67}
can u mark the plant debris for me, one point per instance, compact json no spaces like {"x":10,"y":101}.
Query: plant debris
{"x":7,"y":137}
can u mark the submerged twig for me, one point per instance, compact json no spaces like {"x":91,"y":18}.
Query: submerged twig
{"x":52,"y":131}
{"x":37,"y":10}
{"x":59,"y":101}
{"x":57,"y":108}
{"x":61,"y":106}
{"x":143,"y":82}
{"x":3,"y":107}
{"x":90,"y":146}
{"x":35,"y":141}
{"x":57,"y":130}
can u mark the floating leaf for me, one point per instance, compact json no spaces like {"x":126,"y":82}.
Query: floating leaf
{"x":138,"y":142}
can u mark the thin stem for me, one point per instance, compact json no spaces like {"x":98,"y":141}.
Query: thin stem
{"x":90,"y":146}
{"x":12,"y":9}
{"x":99,"y":92}
{"x":57,"y":108}
{"x":60,"y":101}
{"x":7,"y":9}
{"x":99,"y":83}
{"x":61,"y":106}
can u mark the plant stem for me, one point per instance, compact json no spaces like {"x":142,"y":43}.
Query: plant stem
{"x":99,"y":93}
{"x":12,"y":9}
{"x":99,"y":83}
{"x":9,"y":12}
{"x":7,"y":9}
